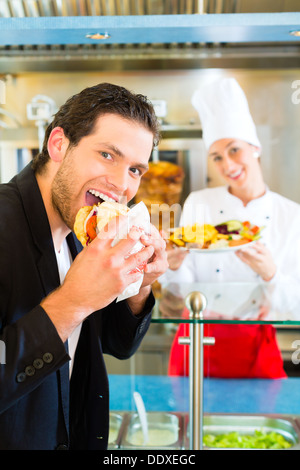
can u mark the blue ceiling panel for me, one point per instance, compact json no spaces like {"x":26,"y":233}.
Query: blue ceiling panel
{"x":228,"y":28}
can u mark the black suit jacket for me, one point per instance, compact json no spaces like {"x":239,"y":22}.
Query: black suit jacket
{"x":40,"y":408}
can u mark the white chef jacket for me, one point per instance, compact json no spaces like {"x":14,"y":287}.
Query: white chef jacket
{"x":280,"y":218}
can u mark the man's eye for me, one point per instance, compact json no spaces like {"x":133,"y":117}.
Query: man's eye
{"x":106,"y":155}
{"x":136,"y":171}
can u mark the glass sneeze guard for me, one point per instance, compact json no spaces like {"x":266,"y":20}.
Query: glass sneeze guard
{"x":197,"y":395}
{"x":231,"y":302}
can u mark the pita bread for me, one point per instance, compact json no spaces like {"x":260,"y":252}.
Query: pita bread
{"x":104,"y":211}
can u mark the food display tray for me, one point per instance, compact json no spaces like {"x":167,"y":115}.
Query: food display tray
{"x":123,"y":426}
{"x":287,"y":426}
{"x":168,"y":426}
{"x":115,"y":428}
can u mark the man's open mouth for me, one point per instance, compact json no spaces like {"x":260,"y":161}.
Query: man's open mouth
{"x":96,"y":197}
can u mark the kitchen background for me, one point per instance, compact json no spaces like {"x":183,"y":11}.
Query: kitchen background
{"x":273,"y":98}
{"x":268,"y":72}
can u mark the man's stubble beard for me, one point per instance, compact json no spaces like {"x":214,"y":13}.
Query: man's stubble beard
{"x":61,"y":193}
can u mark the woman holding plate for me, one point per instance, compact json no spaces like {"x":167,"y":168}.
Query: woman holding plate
{"x":233,"y":148}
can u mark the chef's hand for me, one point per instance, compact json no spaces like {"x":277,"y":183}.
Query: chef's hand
{"x":176,"y":257}
{"x":174,"y":254}
{"x":259,"y":259}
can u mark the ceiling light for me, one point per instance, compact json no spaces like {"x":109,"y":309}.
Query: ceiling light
{"x":295,"y":33}
{"x":97,"y":36}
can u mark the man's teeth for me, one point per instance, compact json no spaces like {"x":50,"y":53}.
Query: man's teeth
{"x":101,"y":195}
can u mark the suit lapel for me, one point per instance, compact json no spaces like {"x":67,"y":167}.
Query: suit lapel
{"x":74,"y":245}
{"x":40,"y":229}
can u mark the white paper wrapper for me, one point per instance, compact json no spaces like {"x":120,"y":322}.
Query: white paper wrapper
{"x":138,"y":217}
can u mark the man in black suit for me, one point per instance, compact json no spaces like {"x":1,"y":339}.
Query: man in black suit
{"x":58,"y":309}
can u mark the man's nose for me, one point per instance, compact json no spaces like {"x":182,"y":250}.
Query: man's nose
{"x":118,"y":179}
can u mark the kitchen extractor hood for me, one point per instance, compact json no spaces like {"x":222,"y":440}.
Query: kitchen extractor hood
{"x":125,"y":34}
{"x":215,"y":28}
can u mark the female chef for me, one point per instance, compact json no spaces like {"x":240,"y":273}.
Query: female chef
{"x":233,"y":148}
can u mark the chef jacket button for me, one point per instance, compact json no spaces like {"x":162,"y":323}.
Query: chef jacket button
{"x":48,"y":357}
{"x":38,"y":363}
{"x":29,"y":371}
{"x":21,"y":377}
{"x":62,"y":447}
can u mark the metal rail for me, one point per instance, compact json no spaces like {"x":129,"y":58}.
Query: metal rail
{"x":196,"y":303}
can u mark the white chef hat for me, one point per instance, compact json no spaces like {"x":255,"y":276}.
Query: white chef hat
{"x":224,"y":112}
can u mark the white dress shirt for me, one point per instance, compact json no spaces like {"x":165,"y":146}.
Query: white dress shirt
{"x":64,"y":260}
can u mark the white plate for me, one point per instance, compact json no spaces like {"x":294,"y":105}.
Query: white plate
{"x":225,"y":249}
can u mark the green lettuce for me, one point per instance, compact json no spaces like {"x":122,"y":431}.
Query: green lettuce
{"x":258,"y":440}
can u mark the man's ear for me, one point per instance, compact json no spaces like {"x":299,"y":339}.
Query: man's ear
{"x":57,"y":144}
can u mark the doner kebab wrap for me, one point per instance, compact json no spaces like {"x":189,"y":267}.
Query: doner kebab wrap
{"x":90,"y":220}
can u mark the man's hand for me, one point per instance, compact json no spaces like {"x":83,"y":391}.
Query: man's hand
{"x":158,"y":263}
{"x":155,"y":267}
{"x":96,"y":277}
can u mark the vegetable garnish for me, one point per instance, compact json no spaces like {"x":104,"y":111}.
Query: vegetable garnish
{"x":91,"y":227}
{"x":228,"y":234}
{"x":258,"y":440}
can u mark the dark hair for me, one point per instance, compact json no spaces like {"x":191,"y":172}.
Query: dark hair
{"x":78,"y":115}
